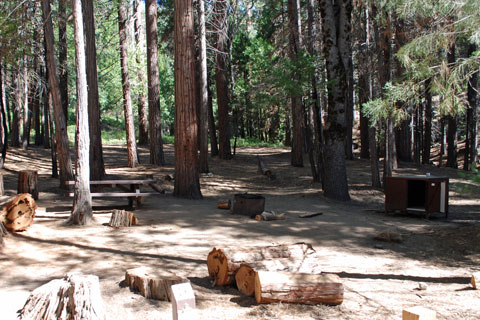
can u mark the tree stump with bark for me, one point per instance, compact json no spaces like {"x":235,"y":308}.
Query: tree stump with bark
{"x":223,"y":263}
{"x":18,"y":214}
{"x":301,"y":288}
{"x":248,"y":204}
{"x":74,"y":297}
{"x":152,"y":284}
{"x":27,"y":183}
{"x":122,"y":218}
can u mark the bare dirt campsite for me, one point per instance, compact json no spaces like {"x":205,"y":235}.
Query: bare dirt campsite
{"x":430,"y":266}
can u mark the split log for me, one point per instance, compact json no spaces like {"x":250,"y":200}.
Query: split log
{"x":418,"y":313}
{"x":223,"y":263}
{"x":152,"y":283}
{"x":269,"y":216}
{"x":74,"y":297}
{"x":245,"y":276}
{"x":301,"y":288}
{"x":122,"y":218}
{"x":248,"y":204}
{"x":475,"y":280}
{"x":27,"y":183}
{"x":19,"y":213}
{"x":224,"y":204}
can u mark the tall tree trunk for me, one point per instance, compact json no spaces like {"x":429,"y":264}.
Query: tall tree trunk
{"x":62,"y":55}
{"x":64,"y":160}
{"x":295,"y":47}
{"x":82,"y":202}
{"x":16,"y":111}
{"x":472,"y":110}
{"x":203,"y":114}
{"x":211,"y":122}
{"x":417,"y":133}
{"x":334,"y":16}
{"x":127,"y":98}
{"x":403,"y":141}
{"x":26,"y":103}
{"x":141,"y":98}
{"x":46,"y":111}
{"x":37,"y":112}
{"x":427,"y":139}
{"x":154,"y":113}
{"x":97,"y":165}
{"x":221,"y":79}
{"x":187,"y":183}
{"x":3,"y":120}
{"x":452,"y":140}
{"x":363,"y":96}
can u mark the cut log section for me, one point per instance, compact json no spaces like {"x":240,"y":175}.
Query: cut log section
{"x":152,"y":284}
{"x":301,"y":288}
{"x":224,"y":204}
{"x":418,"y":313}
{"x":223,"y":263}
{"x":264,"y":170}
{"x":27,"y":183}
{"x":122,"y":218}
{"x":269,"y":216}
{"x":245,"y":276}
{"x":74,"y":297}
{"x":248,"y":204}
{"x":475,"y":280}
{"x":19,"y":212}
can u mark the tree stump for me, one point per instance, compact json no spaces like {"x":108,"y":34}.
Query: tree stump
{"x":301,"y":288}
{"x":223,"y":263}
{"x":19,"y":213}
{"x":74,"y":297}
{"x":122,"y":218}
{"x":27,"y":183}
{"x":152,"y":284}
{"x":248,"y":204}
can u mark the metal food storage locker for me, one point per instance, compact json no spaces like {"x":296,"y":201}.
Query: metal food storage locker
{"x":423,"y":194}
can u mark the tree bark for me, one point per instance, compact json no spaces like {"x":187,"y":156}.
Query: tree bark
{"x":334,"y":17}
{"x":211,"y":122}
{"x":3,"y":119}
{"x":62,"y":55}
{"x":16,"y":111}
{"x":295,"y":47}
{"x":427,"y":139}
{"x":127,"y":98}
{"x":221,"y":79}
{"x":64,"y":160}
{"x":154,"y":112}
{"x":28,"y":183}
{"x":27,"y":91}
{"x":187,"y":184}
{"x":203,"y":114}
{"x":82,"y":201}
{"x":452,"y":140}
{"x":472,"y":98}
{"x":97,"y":165}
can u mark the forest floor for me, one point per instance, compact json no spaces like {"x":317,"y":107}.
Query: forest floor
{"x":380,"y":278}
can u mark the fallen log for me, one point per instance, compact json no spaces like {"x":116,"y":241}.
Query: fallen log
{"x":245,"y":276}
{"x":269,"y":216}
{"x":122,"y":218}
{"x":264,"y":170}
{"x":19,"y":213}
{"x":223,"y":263}
{"x":152,"y":283}
{"x":74,"y":297}
{"x":301,"y":288}
{"x":27,"y":183}
{"x":224,"y":204}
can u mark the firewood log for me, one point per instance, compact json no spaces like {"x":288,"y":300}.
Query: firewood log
{"x":224,"y":204}
{"x":122,"y":218}
{"x":152,"y":283}
{"x":27,"y":183}
{"x":269,"y":216}
{"x":19,"y":212}
{"x":245,"y":276}
{"x":74,"y":297}
{"x":223,"y":263}
{"x":301,"y":288}
{"x":264,"y":170}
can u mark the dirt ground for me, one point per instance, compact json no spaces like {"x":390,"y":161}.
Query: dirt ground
{"x":380,"y":278}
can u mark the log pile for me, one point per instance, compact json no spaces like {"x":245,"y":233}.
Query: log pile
{"x":152,"y":283}
{"x":18,"y":214}
{"x":122,"y":218}
{"x":281,"y":273}
{"x":74,"y":297}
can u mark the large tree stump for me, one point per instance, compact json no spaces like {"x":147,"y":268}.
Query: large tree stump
{"x":301,"y":288}
{"x":75,"y":297}
{"x":152,"y":284}
{"x":19,"y":213}
{"x":248,"y":204}
{"x":27,"y":183}
{"x":223,"y":263}
{"x":122,"y":218}
{"x":245,"y":276}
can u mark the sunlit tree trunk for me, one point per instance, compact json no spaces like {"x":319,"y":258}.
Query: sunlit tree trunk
{"x":187,"y":183}
{"x":82,"y":202}
{"x":127,"y":98}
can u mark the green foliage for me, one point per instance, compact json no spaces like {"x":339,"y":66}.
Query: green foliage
{"x":253,"y":142}
{"x":474,"y":177}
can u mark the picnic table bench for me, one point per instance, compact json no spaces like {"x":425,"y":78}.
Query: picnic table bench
{"x":129,"y":188}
